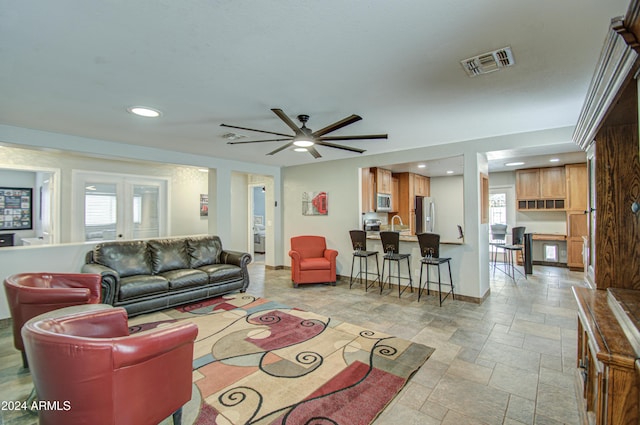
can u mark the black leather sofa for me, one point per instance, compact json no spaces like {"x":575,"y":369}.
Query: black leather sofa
{"x":150,"y":275}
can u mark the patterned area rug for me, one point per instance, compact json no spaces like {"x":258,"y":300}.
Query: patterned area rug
{"x":260,"y":362}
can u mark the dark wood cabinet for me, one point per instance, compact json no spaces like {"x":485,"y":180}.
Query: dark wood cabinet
{"x":607,"y":129}
{"x":606,"y":362}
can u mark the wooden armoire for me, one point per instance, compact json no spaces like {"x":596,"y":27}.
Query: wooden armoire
{"x":608,"y":366}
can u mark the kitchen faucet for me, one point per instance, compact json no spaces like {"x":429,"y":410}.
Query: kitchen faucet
{"x":393,"y":218}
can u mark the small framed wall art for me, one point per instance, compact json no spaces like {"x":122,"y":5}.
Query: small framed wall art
{"x":315,"y":203}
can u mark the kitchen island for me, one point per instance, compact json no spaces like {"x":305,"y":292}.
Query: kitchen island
{"x":409,"y":245}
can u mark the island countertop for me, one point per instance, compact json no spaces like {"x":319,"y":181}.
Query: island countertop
{"x":411,"y":238}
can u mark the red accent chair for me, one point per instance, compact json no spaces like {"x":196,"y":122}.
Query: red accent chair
{"x":84,"y":358}
{"x":31,"y":294}
{"x":311,"y":261}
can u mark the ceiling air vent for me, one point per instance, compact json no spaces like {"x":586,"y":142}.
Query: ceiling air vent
{"x":488,"y":62}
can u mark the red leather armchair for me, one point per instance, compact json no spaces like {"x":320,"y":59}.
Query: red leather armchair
{"x":31,"y":294}
{"x":311,"y":261}
{"x":84,"y":358}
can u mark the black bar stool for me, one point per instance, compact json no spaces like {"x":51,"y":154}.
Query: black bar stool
{"x":391,"y":247}
{"x":359,"y":243}
{"x":498,"y":240}
{"x":517,"y":241}
{"x":430,"y":251}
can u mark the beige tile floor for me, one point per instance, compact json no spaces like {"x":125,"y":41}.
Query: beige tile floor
{"x":509,"y":361}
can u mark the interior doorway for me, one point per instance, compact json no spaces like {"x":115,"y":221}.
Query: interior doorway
{"x":257,"y":208}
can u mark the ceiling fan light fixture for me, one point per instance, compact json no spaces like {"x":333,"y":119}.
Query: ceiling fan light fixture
{"x":303,"y":143}
{"x":300,"y":149}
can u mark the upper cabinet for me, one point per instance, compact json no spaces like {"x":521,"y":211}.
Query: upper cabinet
{"x":528,"y":183}
{"x":421,"y":185}
{"x":541,"y":188}
{"x":577,"y":187}
{"x":368,"y":191}
{"x":382,"y":179}
{"x":552,"y":183}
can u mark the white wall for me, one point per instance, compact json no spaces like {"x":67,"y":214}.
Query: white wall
{"x":448,"y":193}
{"x":185,"y":184}
{"x":543,"y":221}
{"x":239,"y":212}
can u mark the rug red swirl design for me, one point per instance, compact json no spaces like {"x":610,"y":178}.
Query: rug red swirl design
{"x":261,"y":362}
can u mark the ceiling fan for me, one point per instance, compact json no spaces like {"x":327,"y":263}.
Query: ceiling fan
{"x":305,"y":139}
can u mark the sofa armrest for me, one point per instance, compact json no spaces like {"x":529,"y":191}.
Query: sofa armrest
{"x":240,"y":259}
{"x":236,"y":258}
{"x":110,"y":279}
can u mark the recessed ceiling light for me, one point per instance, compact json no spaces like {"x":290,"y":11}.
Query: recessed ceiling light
{"x":554,"y":160}
{"x":300,"y":149}
{"x":450,"y":171}
{"x":422,"y":165}
{"x":513,"y":164}
{"x":144,"y":111}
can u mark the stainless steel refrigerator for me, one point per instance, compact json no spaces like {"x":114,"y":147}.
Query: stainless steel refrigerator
{"x":425,"y":214}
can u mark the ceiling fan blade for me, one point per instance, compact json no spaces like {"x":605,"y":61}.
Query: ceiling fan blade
{"x":281,"y":148}
{"x":314,"y":152}
{"x":361,"y":137}
{"x":346,"y":148}
{"x":257,"y":141}
{"x":253,"y":129}
{"x":336,"y":125}
{"x":287,"y":120}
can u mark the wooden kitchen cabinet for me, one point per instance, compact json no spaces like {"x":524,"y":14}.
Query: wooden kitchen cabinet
{"x":368,"y":191}
{"x":382,"y":179}
{"x":576,"y":231}
{"x":577,"y":219}
{"x":552,"y":183}
{"x":422,"y":185}
{"x":395,"y":194}
{"x":407,"y":192}
{"x":528,"y":184}
{"x":541,"y":189}
{"x":577,"y":187}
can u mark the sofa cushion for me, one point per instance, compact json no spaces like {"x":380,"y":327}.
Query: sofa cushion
{"x":168,"y":254}
{"x":185,"y":278}
{"x":221,"y":272}
{"x":205,"y":250}
{"x":141,"y":286}
{"x":315,"y":264}
{"x":127,"y":258}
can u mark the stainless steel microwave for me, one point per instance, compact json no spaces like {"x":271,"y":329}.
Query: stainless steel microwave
{"x":383,"y":202}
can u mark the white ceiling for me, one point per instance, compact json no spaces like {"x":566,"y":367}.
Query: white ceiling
{"x":74,"y":67}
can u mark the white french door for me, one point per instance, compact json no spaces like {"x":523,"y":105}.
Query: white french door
{"x":112,"y":207}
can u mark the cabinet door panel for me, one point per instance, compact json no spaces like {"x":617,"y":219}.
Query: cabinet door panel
{"x":528,"y":184}
{"x":552,"y":183}
{"x":577,"y":187}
